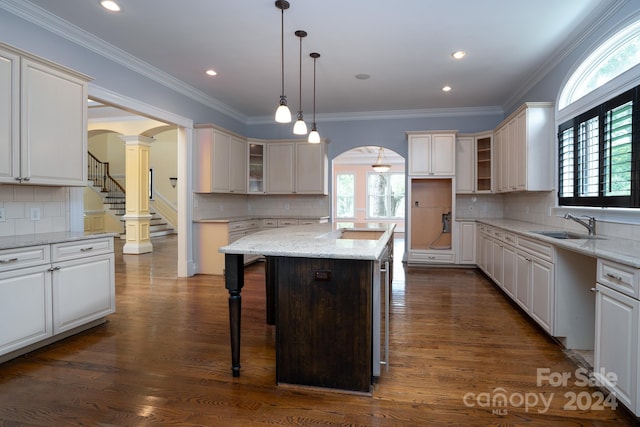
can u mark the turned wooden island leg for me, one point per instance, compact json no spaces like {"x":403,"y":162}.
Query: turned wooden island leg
{"x":234,"y":281}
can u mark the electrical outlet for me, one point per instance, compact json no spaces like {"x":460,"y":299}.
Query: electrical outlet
{"x":3,"y":215}
{"x":35,"y":214}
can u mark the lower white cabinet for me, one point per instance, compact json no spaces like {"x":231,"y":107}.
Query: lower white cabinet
{"x":83,"y":291}
{"x":466,"y":238}
{"x":523,"y":268}
{"x":48,"y":292}
{"x":25,"y":307}
{"x":616,"y":344}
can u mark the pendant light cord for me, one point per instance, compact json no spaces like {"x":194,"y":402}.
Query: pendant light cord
{"x":314,"y":92}
{"x":282,"y":47}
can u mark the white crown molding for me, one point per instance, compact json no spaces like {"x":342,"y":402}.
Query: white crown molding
{"x":40,"y":17}
{"x":598,"y":19}
{"x":395,"y":114}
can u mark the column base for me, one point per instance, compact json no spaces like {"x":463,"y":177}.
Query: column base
{"x":136,"y":248}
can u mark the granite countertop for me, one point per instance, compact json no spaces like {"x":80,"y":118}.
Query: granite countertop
{"x":245,"y":218}
{"x":24,"y":240}
{"x":314,"y":241}
{"x":624,"y":251}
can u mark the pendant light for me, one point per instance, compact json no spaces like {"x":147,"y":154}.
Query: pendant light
{"x":283,"y":114}
{"x":314,"y":136}
{"x":300,"y":127}
{"x":380,"y":165}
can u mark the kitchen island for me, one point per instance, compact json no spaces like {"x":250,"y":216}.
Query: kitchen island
{"x":323,"y":293}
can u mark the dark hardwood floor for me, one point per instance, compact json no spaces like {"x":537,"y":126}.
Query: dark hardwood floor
{"x":457,"y":346}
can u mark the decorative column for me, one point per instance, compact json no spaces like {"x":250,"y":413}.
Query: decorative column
{"x":137,"y":217}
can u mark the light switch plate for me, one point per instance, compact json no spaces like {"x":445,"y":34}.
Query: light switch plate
{"x":35,"y":214}
{"x":3,"y":215}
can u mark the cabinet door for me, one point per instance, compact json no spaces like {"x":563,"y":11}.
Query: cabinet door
{"x":202,"y":159}
{"x":465,"y":162}
{"x":53,"y":133}
{"x":221,"y":162}
{"x":498,"y":263}
{"x":25,"y":307}
{"x":542,"y":295}
{"x":83,"y":291}
{"x":443,"y":154}
{"x":9,"y":117}
{"x":311,"y":168}
{"x":257,"y":165}
{"x":420,"y":155}
{"x":467,"y":247}
{"x":280,"y":168}
{"x":509,"y":260}
{"x":238,"y":164}
{"x":616,"y":344}
{"x":523,"y":280}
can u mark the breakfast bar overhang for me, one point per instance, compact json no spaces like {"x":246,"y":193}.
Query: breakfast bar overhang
{"x":324,"y":293}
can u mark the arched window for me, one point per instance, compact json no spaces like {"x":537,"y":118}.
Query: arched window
{"x":599,"y":149}
{"x":618,"y":54}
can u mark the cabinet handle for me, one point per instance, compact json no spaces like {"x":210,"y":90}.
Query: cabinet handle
{"x":90,"y":248}
{"x":7,"y":261}
{"x":26,"y":179}
{"x":17,"y":178}
{"x":54,"y":268}
{"x":615,"y":277}
{"x":594,"y":290}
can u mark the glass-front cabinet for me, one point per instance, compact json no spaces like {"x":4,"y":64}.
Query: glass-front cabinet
{"x":256,"y":181}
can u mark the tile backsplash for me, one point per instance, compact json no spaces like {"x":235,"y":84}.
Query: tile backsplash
{"x":49,"y":204}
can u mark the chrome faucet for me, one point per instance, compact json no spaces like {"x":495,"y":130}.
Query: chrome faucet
{"x":591,"y":225}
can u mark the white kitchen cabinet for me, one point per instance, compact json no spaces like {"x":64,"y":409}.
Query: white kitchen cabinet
{"x":48,"y":292}
{"x":498,"y":260}
{"x":474,"y":163}
{"x":616,"y":345}
{"x":432,"y":153}
{"x":542,"y":293}
{"x":43,"y":129}
{"x":221,"y":162}
{"x":526,"y":142}
{"x":257,"y":156}
{"x":297,"y":168}
{"x":83,"y":291}
{"x":25,"y":307}
{"x":509,"y":263}
{"x":466,"y":250}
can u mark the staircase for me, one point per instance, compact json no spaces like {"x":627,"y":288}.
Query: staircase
{"x":114,"y":195}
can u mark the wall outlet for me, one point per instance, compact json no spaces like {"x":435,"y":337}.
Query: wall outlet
{"x":3,"y":215}
{"x":35,"y":214}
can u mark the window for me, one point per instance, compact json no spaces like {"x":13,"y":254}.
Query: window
{"x":598,"y":155}
{"x":385,"y":195}
{"x":345,"y":195}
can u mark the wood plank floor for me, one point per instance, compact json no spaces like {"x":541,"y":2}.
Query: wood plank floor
{"x":163,"y":359}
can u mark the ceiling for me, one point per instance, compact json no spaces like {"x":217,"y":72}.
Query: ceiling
{"x":404,"y":46}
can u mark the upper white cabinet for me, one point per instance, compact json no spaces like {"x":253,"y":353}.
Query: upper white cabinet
{"x":257,"y":163}
{"x":296,"y":168}
{"x":221,"y":162}
{"x":432,"y":153}
{"x":525,"y":145}
{"x":474,"y":163}
{"x":43,"y":121}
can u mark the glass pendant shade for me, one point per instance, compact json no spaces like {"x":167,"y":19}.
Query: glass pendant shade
{"x":283,"y":114}
{"x":300,"y":127}
{"x":314,"y":136}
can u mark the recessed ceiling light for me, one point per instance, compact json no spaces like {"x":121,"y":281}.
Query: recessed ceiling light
{"x":362,"y":76}
{"x":211,"y":72}
{"x":446,"y":88}
{"x":459,"y":54}
{"x":110,"y":5}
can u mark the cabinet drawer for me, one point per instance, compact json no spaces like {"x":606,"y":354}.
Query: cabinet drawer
{"x":620,"y":277}
{"x":287,"y":222}
{"x":430,"y":257}
{"x":307,"y":221}
{"x":509,"y":238}
{"x":11,"y":259}
{"x":83,"y":248}
{"x":271,"y":222}
{"x":535,"y":247}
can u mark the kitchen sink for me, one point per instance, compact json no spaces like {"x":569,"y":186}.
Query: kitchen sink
{"x":356,"y":234}
{"x":567,"y":235}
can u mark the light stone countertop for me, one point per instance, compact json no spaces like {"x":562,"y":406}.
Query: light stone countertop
{"x":314,"y":241}
{"x":24,"y":240}
{"x":624,"y":251}
{"x":245,"y":218}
